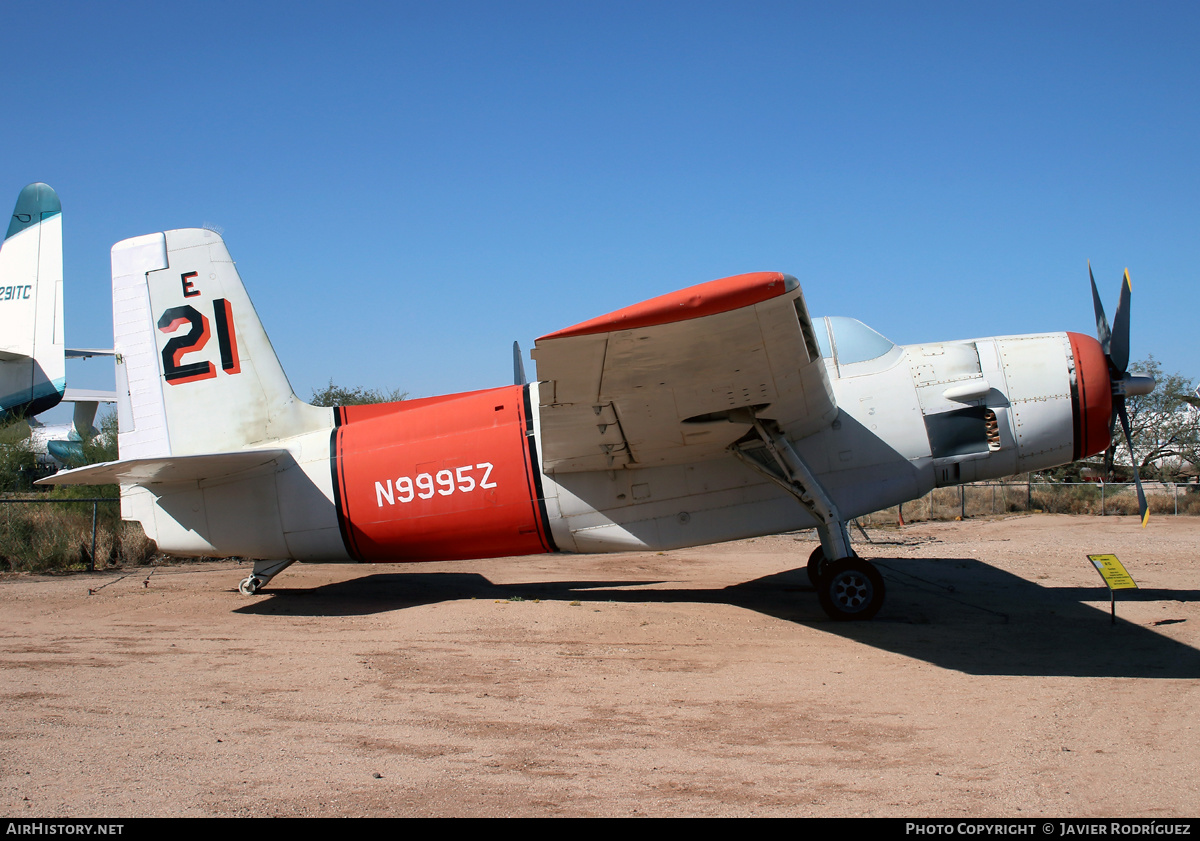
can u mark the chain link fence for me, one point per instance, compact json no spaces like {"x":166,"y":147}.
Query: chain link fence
{"x":41,"y":533}
{"x":985,"y":498}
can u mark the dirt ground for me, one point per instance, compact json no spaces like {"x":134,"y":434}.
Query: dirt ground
{"x":696,"y":682}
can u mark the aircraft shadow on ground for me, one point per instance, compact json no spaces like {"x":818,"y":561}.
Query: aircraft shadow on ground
{"x":956,"y":613}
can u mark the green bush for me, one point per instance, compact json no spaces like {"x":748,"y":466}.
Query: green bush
{"x":18,"y":465}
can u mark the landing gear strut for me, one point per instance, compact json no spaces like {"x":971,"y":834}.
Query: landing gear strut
{"x":847,"y":586}
{"x":264,"y":571}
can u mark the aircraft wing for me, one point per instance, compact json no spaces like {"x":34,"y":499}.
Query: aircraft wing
{"x":654,"y":383}
{"x":208,"y":467}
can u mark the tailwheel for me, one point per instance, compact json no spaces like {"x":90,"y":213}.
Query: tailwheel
{"x":850,"y":589}
{"x":264,"y":571}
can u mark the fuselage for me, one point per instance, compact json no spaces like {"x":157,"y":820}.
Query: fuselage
{"x":462,"y":476}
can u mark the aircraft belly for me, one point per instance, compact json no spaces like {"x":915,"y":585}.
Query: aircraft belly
{"x":669,"y":507}
{"x":866,"y":489}
{"x":243,"y":518}
{"x":239,"y":517}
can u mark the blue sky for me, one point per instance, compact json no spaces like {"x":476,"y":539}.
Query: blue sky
{"x":409,"y":187}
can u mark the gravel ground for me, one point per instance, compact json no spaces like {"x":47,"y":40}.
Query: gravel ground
{"x":696,"y":682}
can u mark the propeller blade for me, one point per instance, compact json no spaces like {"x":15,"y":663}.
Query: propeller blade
{"x":1143,"y":508}
{"x":1102,"y":331}
{"x":518,"y":366}
{"x":1119,"y":352}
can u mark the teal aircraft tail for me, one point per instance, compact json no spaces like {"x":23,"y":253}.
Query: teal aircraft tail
{"x":32,"y":367}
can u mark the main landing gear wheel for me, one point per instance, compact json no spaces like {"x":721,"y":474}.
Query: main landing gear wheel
{"x":250,"y":585}
{"x":818,"y":566}
{"x":850,"y":589}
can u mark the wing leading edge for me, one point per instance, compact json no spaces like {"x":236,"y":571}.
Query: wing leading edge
{"x":661,"y":382}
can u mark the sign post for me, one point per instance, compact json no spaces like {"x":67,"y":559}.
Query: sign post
{"x":1114,"y":576}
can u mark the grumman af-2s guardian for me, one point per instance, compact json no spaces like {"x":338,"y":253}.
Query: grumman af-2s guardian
{"x":718,"y":412}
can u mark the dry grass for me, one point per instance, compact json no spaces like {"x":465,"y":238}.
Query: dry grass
{"x":1080,"y":498}
{"x":47,"y":536}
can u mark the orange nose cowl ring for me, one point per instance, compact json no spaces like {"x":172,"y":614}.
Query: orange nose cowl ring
{"x":1092,"y":396}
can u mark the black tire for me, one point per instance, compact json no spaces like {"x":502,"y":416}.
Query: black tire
{"x":851,"y":589}
{"x":816,"y":565}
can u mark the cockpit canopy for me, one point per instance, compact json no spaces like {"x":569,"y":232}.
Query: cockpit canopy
{"x":847,"y":341}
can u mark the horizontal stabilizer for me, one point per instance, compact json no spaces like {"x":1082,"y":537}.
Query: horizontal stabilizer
{"x":89,"y":395}
{"x":88,"y":352}
{"x":169,"y":469}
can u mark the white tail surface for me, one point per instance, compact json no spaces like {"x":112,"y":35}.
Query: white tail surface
{"x":218,"y":455}
{"x":32,"y":366}
{"x":196,"y":372}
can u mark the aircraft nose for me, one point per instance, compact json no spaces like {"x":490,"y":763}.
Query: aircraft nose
{"x":1091,"y":395}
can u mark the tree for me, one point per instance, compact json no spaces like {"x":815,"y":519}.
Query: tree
{"x":1164,"y":426}
{"x":95,"y":449}
{"x":18,"y":461}
{"x":102,"y":446}
{"x":336,"y":395}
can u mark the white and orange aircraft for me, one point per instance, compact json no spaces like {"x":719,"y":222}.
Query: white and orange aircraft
{"x":718,"y":412}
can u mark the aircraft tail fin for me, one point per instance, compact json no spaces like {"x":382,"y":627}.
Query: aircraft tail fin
{"x":32,"y":366}
{"x":196,"y":372}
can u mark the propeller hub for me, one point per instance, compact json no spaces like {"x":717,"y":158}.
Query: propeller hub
{"x":1132,"y":385}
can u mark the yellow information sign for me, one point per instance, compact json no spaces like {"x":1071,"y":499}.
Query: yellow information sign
{"x":1112,"y":572}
